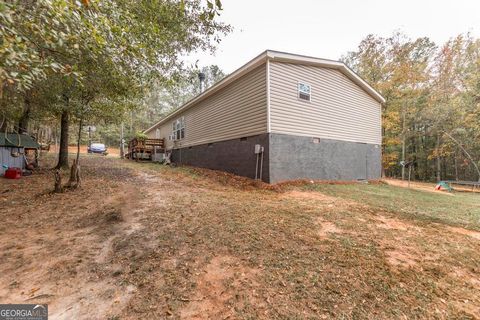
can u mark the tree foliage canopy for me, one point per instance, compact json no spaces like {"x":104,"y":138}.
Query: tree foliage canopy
{"x":92,"y":59}
{"x":433,"y":102}
{"x":142,"y":38}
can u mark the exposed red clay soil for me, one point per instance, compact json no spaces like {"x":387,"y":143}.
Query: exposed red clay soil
{"x":400,"y":257}
{"x":423,"y":186}
{"x":466,"y":232}
{"x":216,"y":288}
{"x":327,"y":228}
{"x":391,"y":223}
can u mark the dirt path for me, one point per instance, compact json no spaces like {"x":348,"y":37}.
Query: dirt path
{"x":142,"y":241}
{"x":56,"y":248}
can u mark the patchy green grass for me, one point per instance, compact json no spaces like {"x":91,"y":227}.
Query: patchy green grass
{"x":458,"y":208}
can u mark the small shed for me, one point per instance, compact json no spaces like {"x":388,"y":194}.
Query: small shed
{"x":15,"y":149}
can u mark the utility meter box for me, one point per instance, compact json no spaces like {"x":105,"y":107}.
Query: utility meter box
{"x":258,"y":149}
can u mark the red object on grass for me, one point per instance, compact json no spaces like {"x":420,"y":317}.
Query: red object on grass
{"x":13,"y":173}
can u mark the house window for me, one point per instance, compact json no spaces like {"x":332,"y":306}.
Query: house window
{"x":178,"y":129}
{"x":304,"y":91}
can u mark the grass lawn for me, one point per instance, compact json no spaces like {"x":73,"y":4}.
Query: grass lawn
{"x":457,"y":208}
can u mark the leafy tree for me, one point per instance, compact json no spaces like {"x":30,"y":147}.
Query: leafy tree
{"x":35,"y":35}
{"x":398,"y":68}
{"x":160,"y":99}
{"x":168,"y":98}
{"x":57,"y":48}
{"x":431,"y":113}
{"x":455,"y":103}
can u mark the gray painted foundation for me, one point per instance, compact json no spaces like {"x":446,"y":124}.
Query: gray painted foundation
{"x":236,"y":156}
{"x":295,"y":157}
{"x":287,"y":157}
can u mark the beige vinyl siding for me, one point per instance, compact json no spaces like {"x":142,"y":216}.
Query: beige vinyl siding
{"x":238,"y":110}
{"x":339,"y":109}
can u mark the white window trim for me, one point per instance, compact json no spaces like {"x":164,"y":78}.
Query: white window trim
{"x":180,"y":127}
{"x":298,"y":91}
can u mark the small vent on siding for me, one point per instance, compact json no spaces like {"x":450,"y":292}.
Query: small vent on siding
{"x":210,"y":145}
{"x":243,"y":139}
{"x":316,"y":140}
{"x":304,"y":96}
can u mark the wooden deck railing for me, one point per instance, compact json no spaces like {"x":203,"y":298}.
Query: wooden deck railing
{"x":144,"y":143}
{"x":145,"y":147}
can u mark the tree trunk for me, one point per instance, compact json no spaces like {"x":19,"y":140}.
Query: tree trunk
{"x":77,"y":177}
{"x":403,"y":157}
{"x":466,"y":153}
{"x":4,"y":125}
{"x":439,"y":165}
{"x":444,"y":167}
{"x":63,"y":152}
{"x":74,"y":181}
{"x":58,"y":182}
{"x":414,"y":152}
{"x":456,"y":165}
{"x":80,"y":127}
{"x":404,"y":134}
{"x":384,"y":150}
{"x":56,"y":138}
{"x":426,"y":162}
{"x":122,"y":150}
{"x":25,"y":118}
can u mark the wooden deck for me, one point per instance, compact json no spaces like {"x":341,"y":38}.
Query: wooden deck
{"x":143,"y":149}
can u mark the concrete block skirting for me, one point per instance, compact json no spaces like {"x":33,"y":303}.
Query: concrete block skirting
{"x":236,"y":156}
{"x":287,"y":157}
{"x":296,"y":157}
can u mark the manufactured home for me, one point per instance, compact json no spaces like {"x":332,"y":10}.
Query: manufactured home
{"x":280,"y":117}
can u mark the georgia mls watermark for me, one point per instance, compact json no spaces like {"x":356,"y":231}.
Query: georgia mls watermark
{"x":23,"y":312}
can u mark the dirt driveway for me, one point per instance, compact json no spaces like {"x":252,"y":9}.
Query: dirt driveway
{"x":144,"y":241}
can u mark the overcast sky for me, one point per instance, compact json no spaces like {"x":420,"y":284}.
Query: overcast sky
{"x":328,"y":29}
